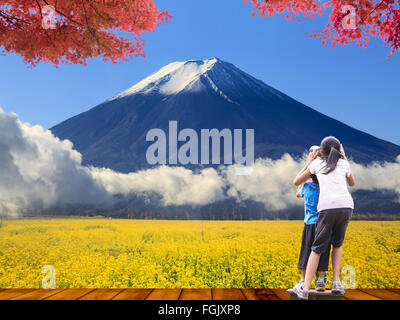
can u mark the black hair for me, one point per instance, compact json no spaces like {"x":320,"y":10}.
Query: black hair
{"x":314,"y":179}
{"x":330,"y":147}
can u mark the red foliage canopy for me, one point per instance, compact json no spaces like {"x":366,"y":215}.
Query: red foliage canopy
{"x":348,"y":21}
{"x":71,"y":31}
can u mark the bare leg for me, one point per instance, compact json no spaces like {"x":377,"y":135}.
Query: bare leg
{"x":336,"y":262}
{"x":303,"y":273}
{"x":321,"y":273}
{"x":312,"y":266}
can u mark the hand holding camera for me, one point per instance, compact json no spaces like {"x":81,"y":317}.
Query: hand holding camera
{"x":314,"y":153}
{"x":342,"y":152}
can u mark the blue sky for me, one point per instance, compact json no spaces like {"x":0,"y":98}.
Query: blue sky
{"x":357,"y":86}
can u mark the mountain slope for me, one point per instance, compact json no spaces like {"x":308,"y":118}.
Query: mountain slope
{"x":204,"y":95}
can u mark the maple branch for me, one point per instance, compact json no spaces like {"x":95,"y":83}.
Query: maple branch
{"x":64,"y":15}
{"x":376,"y":7}
{"x":95,"y":34}
{"x":85,"y":14}
{"x":11,"y":16}
{"x":84,"y":29}
{"x":11,"y":19}
{"x":87,"y":23}
{"x":98,"y":13}
{"x":41,"y":16}
{"x":40,"y":9}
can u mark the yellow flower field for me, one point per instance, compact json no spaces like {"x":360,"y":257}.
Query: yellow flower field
{"x":105,"y":253}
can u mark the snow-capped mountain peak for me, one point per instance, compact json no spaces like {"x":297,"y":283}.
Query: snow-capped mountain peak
{"x":172,"y":78}
{"x":207,"y":94}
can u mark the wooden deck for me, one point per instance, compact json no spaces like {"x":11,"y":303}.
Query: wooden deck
{"x":180,"y":294}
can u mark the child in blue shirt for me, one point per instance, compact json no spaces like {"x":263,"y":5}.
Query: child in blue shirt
{"x":310,"y":192}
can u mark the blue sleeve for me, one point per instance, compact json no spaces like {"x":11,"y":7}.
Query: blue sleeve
{"x":303,"y":190}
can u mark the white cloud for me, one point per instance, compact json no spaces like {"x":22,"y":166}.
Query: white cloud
{"x":378,"y":176}
{"x":37,"y":170}
{"x":270,"y":182}
{"x":176,"y":185}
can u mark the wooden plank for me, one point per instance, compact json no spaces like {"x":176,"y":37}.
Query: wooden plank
{"x":38,"y":294}
{"x":164,"y":294}
{"x":259,"y":294}
{"x":70,"y":294}
{"x":8,"y":294}
{"x":316,"y":295}
{"x":132,"y":294}
{"x":382,"y":294}
{"x":227,"y":294}
{"x":356,"y":294}
{"x":101,"y":294}
{"x":394,"y":290}
{"x":181,"y":294}
{"x":196,"y":294}
{"x":281,"y":294}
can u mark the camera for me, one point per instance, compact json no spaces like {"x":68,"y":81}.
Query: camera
{"x":313,"y":148}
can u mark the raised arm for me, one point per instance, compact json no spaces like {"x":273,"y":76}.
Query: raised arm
{"x":299,"y":190}
{"x":305,"y":173}
{"x":350,"y":178}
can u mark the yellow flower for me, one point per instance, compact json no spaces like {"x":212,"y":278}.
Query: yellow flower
{"x":139,"y":253}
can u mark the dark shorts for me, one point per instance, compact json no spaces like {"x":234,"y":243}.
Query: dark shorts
{"x":306,"y":244}
{"x":331,"y":228}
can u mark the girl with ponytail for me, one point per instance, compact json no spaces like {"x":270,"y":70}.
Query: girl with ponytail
{"x":335,"y":207}
{"x":331,"y":147}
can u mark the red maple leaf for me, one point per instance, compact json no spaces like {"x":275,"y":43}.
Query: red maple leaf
{"x":348,"y":21}
{"x":73,"y":31}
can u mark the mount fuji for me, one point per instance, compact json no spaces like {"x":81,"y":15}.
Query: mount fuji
{"x":207,"y":94}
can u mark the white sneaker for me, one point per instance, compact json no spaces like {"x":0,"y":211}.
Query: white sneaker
{"x":296,"y":285}
{"x":320,"y":285}
{"x":337,"y":288}
{"x":302,"y":294}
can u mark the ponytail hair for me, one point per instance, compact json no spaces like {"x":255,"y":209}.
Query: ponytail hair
{"x":330,"y":147}
{"x":314,"y":179}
